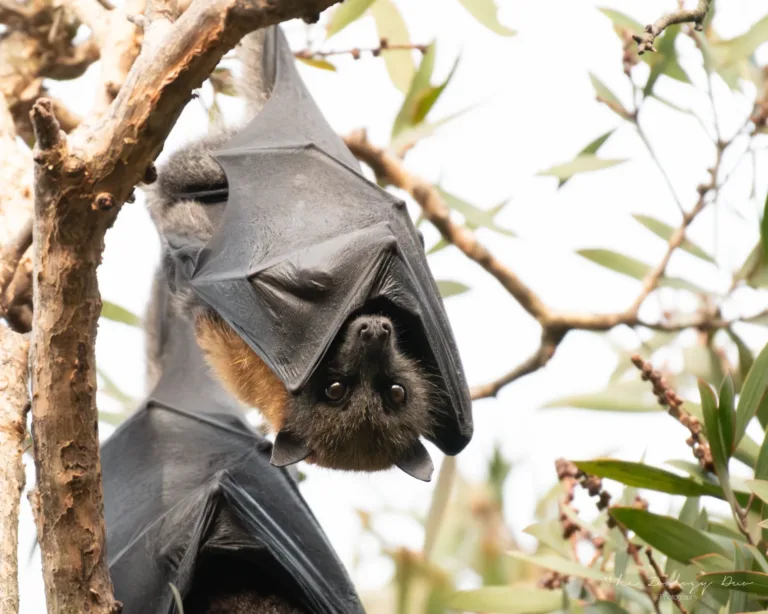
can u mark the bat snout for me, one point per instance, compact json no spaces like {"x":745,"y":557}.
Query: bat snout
{"x":374,"y":333}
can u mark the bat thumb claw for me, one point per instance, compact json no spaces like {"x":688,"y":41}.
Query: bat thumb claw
{"x":417,"y":463}
{"x":288,"y":449}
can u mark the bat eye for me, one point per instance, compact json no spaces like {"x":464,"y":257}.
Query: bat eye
{"x":397,"y":394}
{"x":335,"y":391}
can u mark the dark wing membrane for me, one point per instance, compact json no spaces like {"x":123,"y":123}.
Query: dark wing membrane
{"x":171,"y":479}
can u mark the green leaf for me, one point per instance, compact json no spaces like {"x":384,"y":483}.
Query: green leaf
{"x":622,"y":21}
{"x":752,"y":393}
{"x":451,"y":288}
{"x":735,"y":580}
{"x":550,"y":533}
{"x":760,"y":488}
{"x":634,"y":268}
{"x":583,"y":163}
{"x":703,"y":362}
{"x":665,"y":231}
{"x":427,"y":98}
{"x":746,"y":359}
{"x":421,"y":82}
{"x":318,"y":63}
{"x":390,"y":25}
{"x":408,"y":137}
{"x":640,"y":475}
{"x":727,"y":415}
{"x":764,"y":230}
{"x":622,"y":396}
{"x":110,"y":311}
{"x":439,"y":246}
{"x":345,"y":13}
{"x":486,"y":12}
{"x":747,"y":451}
{"x":715,"y":437}
{"x":604,"y":607}
{"x":667,"y":535}
{"x":474,"y":216}
{"x":761,"y":466}
{"x":561,"y":565}
{"x":605,"y":94}
{"x":712,"y":562}
{"x":592,"y":148}
{"x":506,"y":600}
{"x":742,"y":47}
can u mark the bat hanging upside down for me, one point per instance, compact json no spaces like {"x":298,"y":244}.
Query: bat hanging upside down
{"x":309,"y":286}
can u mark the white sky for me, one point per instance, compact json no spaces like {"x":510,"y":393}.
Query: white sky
{"x":539,"y":110}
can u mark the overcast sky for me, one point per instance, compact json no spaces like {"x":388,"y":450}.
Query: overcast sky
{"x":537,"y":109}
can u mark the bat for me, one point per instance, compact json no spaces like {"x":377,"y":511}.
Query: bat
{"x":320,"y":308}
{"x":191,"y":499}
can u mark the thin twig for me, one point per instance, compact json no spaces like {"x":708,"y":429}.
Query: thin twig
{"x":356,"y":52}
{"x":673,"y":589}
{"x":646,"y":39}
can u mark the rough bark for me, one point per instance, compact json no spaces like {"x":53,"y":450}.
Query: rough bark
{"x":14,"y":404}
{"x":80,"y":184}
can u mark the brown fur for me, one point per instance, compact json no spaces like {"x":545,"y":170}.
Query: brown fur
{"x":240,"y":369}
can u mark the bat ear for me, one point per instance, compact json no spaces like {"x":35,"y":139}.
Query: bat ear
{"x":179,"y":258}
{"x":288,"y":449}
{"x":417,"y":463}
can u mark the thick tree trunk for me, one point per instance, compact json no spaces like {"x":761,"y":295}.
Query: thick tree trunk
{"x":14,"y":403}
{"x":68,"y":242}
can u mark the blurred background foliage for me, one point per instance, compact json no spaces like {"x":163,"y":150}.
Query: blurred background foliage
{"x":612,"y":555}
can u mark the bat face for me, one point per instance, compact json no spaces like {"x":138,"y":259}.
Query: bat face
{"x":363,"y":409}
{"x":367,"y":404}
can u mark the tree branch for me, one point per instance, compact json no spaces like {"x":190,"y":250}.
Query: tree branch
{"x":14,"y":405}
{"x":645,"y":41}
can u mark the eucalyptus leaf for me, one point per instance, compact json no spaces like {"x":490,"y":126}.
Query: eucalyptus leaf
{"x":592,"y":148}
{"x":421,"y":81}
{"x":640,"y":475}
{"x":605,"y":94}
{"x":717,"y":444}
{"x":742,"y":47}
{"x":752,"y":393}
{"x":113,"y":312}
{"x":633,"y":396}
{"x":391,"y":26}
{"x":667,"y":535}
{"x":486,"y":13}
{"x":583,"y":163}
{"x":665,"y":231}
{"x":474,"y":216}
{"x":451,"y":288}
{"x":506,"y":600}
{"x":318,"y":63}
{"x":345,"y":13}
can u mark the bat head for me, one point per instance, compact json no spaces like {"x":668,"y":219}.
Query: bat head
{"x":365,"y":406}
{"x":363,"y":409}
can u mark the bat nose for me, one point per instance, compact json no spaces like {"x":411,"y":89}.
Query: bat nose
{"x":375,"y":331}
